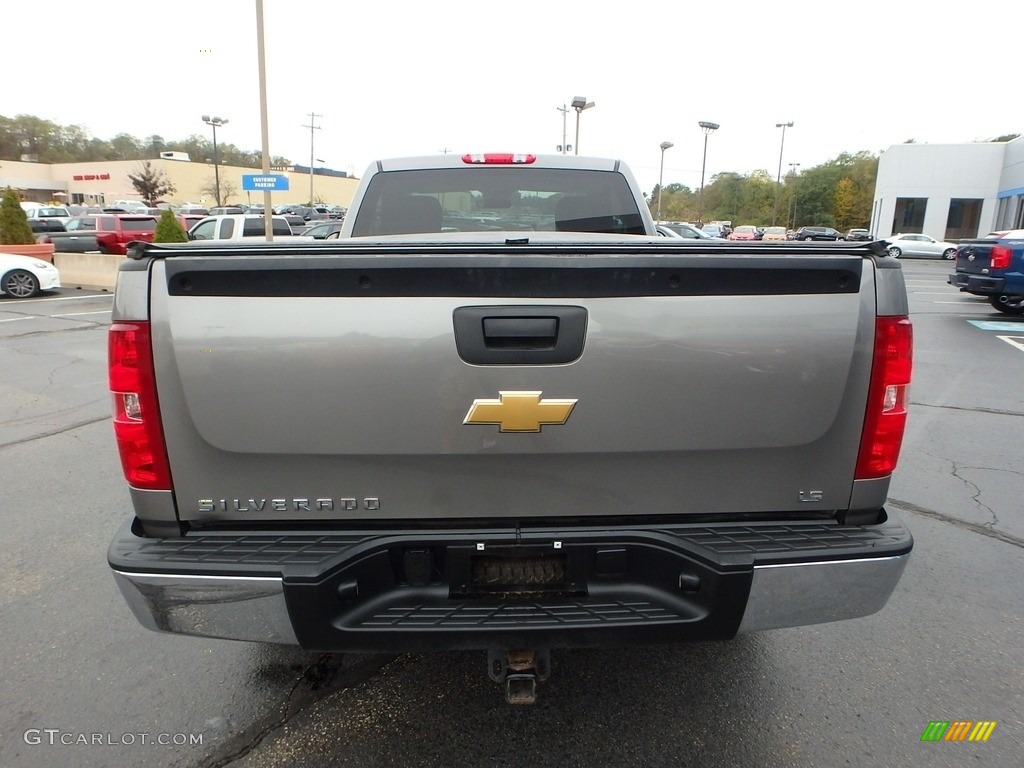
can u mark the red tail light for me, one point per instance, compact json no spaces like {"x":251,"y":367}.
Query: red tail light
{"x":888,"y":394}
{"x":140,"y":438}
{"x":1001,"y":256}
{"x":499,"y":158}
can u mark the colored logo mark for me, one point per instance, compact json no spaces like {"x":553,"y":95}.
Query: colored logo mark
{"x":519,"y":412}
{"x":958,"y":730}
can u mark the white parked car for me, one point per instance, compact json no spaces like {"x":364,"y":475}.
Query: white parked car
{"x":131,"y":206}
{"x":920,"y":246}
{"x":22,"y":277}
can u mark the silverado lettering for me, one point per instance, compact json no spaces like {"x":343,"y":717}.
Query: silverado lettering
{"x":737,"y":410}
{"x":285,"y":505}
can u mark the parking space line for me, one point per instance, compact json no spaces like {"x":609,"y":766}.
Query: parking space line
{"x":1016,"y":341}
{"x":76,"y":314}
{"x":16,"y":319}
{"x":23,"y":302}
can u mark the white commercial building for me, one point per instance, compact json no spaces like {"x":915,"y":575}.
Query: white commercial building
{"x":949,"y":191}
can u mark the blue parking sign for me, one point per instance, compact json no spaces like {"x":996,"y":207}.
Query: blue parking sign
{"x":266,"y":182}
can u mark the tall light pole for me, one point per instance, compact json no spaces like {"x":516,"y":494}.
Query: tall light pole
{"x":563,"y":147}
{"x":312,"y":127}
{"x":215,"y":123}
{"x":778,"y":178}
{"x":792,"y":170}
{"x":579,"y":103}
{"x":708,"y":129}
{"x":661,"y":173}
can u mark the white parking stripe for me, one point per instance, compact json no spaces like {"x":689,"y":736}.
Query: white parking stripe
{"x":22,"y":302}
{"x":1017,"y":341}
{"x":16,"y":319}
{"x":76,"y":314}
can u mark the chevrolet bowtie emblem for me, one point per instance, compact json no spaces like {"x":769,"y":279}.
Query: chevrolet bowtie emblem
{"x":519,"y":412}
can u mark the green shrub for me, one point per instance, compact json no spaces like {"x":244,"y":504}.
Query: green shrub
{"x":14,"y":228}
{"x":169,"y":229}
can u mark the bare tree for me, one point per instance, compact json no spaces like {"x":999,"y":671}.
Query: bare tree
{"x":151,"y":183}
{"x":227,"y":190}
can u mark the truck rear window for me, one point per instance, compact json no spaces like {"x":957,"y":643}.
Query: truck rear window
{"x":497,"y":198}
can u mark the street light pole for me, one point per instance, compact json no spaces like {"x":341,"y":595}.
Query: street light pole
{"x":215,"y":122}
{"x":579,"y":103}
{"x":661,"y":173}
{"x":708,"y":129}
{"x":778,"y":178}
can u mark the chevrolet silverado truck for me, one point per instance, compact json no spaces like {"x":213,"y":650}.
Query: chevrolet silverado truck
{"x":563,"y":432}
{"x":993,"y":267}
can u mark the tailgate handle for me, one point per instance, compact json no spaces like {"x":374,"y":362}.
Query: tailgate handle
{"x":520,"y":335}
{"x":520,"y":332}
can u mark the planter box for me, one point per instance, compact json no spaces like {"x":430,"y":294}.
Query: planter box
{"x":42,"y":251}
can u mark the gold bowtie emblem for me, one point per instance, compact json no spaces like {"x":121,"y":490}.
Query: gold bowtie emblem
{"x":519,"y":412}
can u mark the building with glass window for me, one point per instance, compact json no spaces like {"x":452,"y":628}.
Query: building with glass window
{"x":949,"y":191}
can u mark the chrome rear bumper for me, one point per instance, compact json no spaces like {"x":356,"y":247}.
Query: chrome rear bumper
{"x":623,"y":585}
{"x":814,"y":593}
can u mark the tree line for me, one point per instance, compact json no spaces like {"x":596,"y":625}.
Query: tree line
{"x":838,"y":193}
{"x":43,"y":141}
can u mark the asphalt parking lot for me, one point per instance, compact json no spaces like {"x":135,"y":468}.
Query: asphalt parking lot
{"x":946,"y":647}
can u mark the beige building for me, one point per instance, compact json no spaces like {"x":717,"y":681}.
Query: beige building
{"x":103,"y":182}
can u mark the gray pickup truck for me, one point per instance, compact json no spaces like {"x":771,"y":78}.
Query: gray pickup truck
{"x":500,"y":413}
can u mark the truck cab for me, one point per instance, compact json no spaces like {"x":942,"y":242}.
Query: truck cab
{"x":47,"y":218}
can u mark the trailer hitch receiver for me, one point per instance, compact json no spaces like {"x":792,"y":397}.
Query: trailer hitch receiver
{"x":520,"y":671}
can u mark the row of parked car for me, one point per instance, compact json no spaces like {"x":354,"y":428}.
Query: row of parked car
{"x":903,"y":245}
{"x":749,"y":232}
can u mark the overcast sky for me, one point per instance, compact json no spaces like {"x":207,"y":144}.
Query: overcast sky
{"x":388,"y":79}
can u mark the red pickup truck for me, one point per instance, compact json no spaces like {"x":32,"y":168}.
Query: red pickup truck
{"x":106,"y":233}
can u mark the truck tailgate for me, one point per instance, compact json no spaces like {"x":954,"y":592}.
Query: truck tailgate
{"x":331,"y":387}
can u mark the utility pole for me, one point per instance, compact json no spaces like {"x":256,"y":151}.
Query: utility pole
{"x":563,"y":147}
{"x":261,"y":54}
{"x":312,"y":127}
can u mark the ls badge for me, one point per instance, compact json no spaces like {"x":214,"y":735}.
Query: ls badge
{"x":519,"y":412}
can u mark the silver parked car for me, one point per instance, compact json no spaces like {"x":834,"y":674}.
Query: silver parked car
{"x":682,"y":229}
{"x":919,"y":246}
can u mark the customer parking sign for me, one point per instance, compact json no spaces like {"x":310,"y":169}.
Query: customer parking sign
{"x":266,"y":182}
